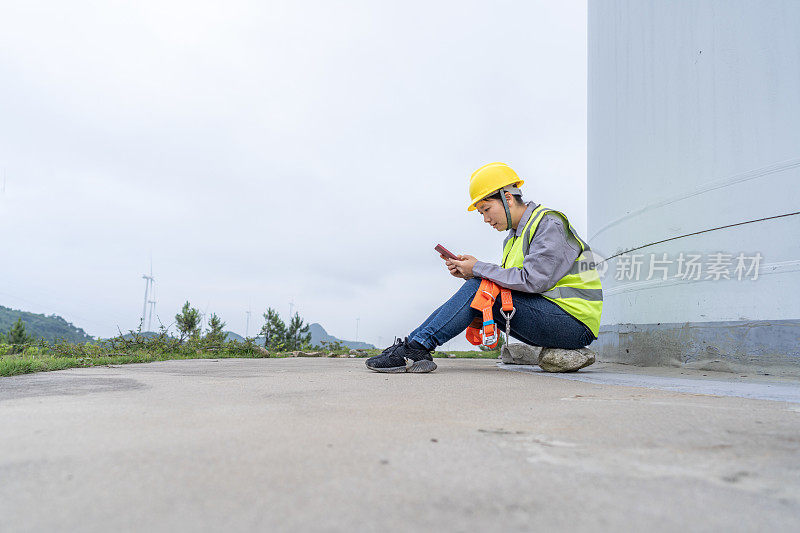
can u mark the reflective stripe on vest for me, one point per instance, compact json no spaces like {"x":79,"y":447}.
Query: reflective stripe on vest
{"x":594,"y":295}
{"x":579,"y":292}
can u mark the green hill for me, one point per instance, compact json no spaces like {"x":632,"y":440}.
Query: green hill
{"x":234,"y":336}
{"x":318,"y":334}
{"x":49,"y":328}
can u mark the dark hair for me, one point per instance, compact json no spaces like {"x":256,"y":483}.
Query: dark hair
{"x":496,"y":196}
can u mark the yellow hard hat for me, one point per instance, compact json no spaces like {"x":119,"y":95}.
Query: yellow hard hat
{"x":489,"y":179}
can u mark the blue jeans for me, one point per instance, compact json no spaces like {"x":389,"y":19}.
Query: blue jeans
{"x":538,"y":321}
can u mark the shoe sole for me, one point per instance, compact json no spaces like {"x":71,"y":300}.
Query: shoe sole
{"x":418,"y":367}
{"x":390,"y":370}
{"x":422,"y":366}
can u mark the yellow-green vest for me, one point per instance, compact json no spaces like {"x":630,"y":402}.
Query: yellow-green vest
{"x":579,"y":292}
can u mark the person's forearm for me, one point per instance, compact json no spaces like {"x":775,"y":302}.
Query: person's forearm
{"x":516,"y":279}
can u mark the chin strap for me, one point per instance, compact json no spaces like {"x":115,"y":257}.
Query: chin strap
{"x":505,"y":206}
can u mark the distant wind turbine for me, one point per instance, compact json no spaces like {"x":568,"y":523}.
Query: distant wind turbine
{"x":203,"y":319}
{"x":152,"y":302}
{"x":148,"y":285}
{"x":247,"y":324}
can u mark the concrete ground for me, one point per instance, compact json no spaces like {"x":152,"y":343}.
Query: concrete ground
{"x":326,"y":445}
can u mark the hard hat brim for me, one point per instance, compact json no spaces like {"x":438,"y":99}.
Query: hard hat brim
{"x":472,"y":206}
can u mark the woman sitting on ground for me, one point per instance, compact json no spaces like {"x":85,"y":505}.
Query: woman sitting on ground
{"x":548,"y":268}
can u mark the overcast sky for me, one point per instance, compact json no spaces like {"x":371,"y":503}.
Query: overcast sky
{"x":268,"y":152}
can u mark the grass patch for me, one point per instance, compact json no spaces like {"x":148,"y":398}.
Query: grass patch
{"x":13,"y":365}
{"x":45,"y":358}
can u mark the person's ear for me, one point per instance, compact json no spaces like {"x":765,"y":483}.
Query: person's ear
{"x":509,"y":198}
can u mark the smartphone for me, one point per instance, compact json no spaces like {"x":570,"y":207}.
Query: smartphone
{"x":445,"y":252}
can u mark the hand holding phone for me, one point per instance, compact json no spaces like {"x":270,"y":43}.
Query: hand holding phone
{"x":445,"y":252}
{"x":456,"y":271}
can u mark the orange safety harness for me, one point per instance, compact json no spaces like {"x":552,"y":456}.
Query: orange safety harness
{"x":483,"y":330}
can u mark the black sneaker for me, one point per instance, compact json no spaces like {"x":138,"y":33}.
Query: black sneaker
{"x":393,"y":359}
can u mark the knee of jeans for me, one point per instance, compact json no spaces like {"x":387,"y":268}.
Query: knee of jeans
{"x":471,"y":285}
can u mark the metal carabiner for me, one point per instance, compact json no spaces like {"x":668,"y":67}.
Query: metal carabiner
{"x":508,"y":317}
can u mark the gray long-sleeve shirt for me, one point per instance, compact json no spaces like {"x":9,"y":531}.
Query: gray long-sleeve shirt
{"x":552,"y":252}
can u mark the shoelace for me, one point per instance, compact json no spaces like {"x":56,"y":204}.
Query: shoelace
{"x":398,"y":342}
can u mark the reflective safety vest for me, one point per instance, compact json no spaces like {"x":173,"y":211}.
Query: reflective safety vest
{"x":579,"y":292}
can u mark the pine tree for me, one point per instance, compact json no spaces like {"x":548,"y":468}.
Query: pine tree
{"x":188,"y":321}
{"x":17,"y":336}
{"x":274,"y":331}
{"x":214,"y":334}
{"x":297,"y":336}
{"x":17,"y":333}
